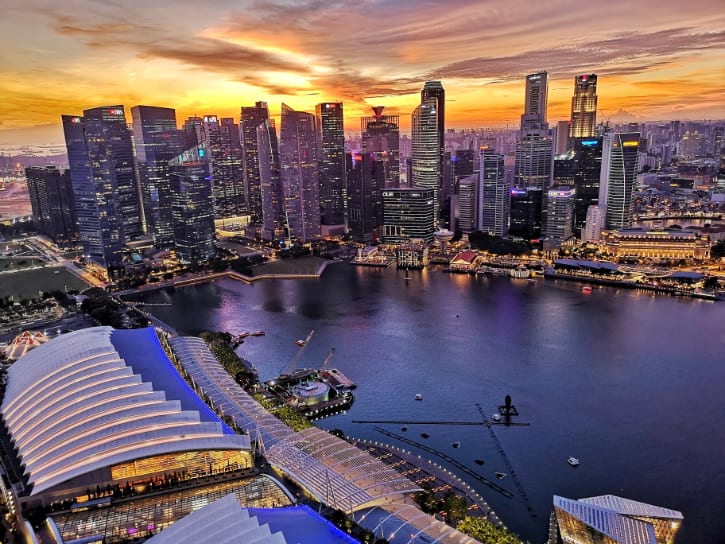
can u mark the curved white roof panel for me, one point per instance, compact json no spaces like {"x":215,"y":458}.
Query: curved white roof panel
{"x":97,"y":397}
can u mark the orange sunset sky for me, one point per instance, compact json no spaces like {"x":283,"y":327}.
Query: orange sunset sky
{"x":656,"y":60}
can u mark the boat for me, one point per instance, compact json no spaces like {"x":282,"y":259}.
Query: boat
{"x":244,"y":335}
{"x":418,"y":396}
{"x":424,"y":435}
{"x":496,"y":417}
{"x":479,"y":461}
{"x":586,"y":290}
{"x":456,"y":444}
{"x":258,"y":333}
{"x":404,"y":428}
{"x":501,"y":475}
{"x":573,"y":461}
{"x":301,"y":343}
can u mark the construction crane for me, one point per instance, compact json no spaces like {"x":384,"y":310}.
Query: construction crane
{"x":298,"y":355}
{"x":327,"y":360}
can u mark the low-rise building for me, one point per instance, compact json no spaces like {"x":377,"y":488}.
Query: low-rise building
{"x":665,"y":244}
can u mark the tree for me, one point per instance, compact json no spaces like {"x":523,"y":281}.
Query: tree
{"x":717,"y":251}
{"x":485,"y":531}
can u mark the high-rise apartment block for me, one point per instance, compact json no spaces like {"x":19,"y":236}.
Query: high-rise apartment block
{"x":51,"y":198}
{"x":331,"y":136}
{"x":157,"y":141}
{"x":534,"y":116}
{"x":299,"y":158}
{"x":618,"y":177}
{"x":584,"y":107}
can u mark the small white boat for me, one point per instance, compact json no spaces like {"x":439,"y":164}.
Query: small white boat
{"x":496,"y":417}
{"x":456,"y":444}
{"x":418,"y":396}
{"x":301,"y":343}
{"x":501,"y":475}
{"x":258,"y":333}
{"x":573,"y":461}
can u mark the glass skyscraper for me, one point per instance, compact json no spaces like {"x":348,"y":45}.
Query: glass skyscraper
{"x":252,"y":117}
{"x":618,"y":176}
{"x":534,"y":116}
{"x":493,"y":206}
{"x":271,"y":191}
{"x":331,"y":136}
{"x":408,"y":214}
{"x":583,"y":107}
{"x":51,"y":197}
{"x":365,"y":183}
{"x":426,"y":159}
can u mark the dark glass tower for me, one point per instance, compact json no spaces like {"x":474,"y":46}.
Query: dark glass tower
{"x":51,"y":197}
{"x":365,"y":183}
{"x":157,"y":141}
{"x":299,"y":159}
{"x":381,"y":136}
{"x":583,"y":108}
{"x":618,"y":176}
{"x":252,"y":117}
{"x":271,"y":192}
{"x":534,"y":116}
{"x":332,"y":162}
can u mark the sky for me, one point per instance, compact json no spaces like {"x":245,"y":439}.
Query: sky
{"x":656,"y":60}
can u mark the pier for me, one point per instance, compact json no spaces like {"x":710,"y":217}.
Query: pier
{"x":460,"y":466}
{"x":405,"y":422}
{"x":510,"y":468}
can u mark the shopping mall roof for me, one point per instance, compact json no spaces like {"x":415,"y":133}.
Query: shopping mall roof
{"x":97,"y":397}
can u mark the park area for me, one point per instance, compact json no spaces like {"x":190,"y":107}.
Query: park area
{"x":25,"y":284}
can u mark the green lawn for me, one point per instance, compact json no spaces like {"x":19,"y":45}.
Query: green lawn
{"x":27,"y":283}
{"x":19,"y":263}
{"x":304,"y":265}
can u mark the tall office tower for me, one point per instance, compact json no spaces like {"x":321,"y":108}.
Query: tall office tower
{"x":467,"y":200}
{"x":381,"y":135}
{"x":299,"y":156}
{"x":192,"y":130}
{"x":562,"y":137}
{"x":51,"y":197}
{"x":559,"y":217}
{"x":157,"y":141}
{"x":534,"y":161}
{"x":463,"y":163}
{"x":365,"y":174}
{"x":586,"y":180}
{"x":111,"y":153}
{"x":534,"y":116}
{"x":584,"y":108}
{"x":192,"y":205}
{"x":525,"y":213}
{"x":252,"y":117}
{"x":434,"y":90}
{"x":426,"y":159}
{"x":221,"y":139}
{"x":271,"y":192}
{"x":595,"y":223}
{"x":332,"y":162}
{"x":493,"y":206}
{"x":618,"y":176}
{"x":408,"y":214}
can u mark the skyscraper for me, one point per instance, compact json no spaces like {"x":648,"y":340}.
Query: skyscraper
{"x":468,"y":188}
{"x":157,"y":141}
{"x":534,"y":161}
{"x":559,"y":217}
{"x":299,"y":155}
{"x":365,"y":183}
{"x":426,"y":159}
{"x":381,"y":135}
{"x":618,"y":177}
{"x":408,"y":214}
{"x":493,"y":206}
{"x":271,"y":192}
{"x":434,"y":90}
{"x":586,"y":181}
{"x":584,"y":107}
{"x":51,"y":197}
{"x":192,"y":205}
{"x":332,"y":162}
{"x":525,"y":213}
{"x":252,"y":117}
{"x":534,"y":116}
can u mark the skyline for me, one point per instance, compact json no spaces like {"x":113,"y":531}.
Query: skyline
{"x":653,"y":61}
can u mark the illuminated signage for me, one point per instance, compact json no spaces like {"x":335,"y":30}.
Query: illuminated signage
{"x":589,"y":143}
{"x":630,"y":144}
{"x":210,"y":119}
{"x":584,"y":78}
{"x":75,"y":120}
{"x":517,"y":192}
{"x":115,"y":111}
{"x":201,"y":152}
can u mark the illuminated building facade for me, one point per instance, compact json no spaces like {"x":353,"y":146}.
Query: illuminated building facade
{"x":51,"y":198}
{"x":192,"y":205}
{"x":468,"y":189}
{"x":534,"y":116}
{"x":559,"y":230}
{"x":408,"y":214}
{"x":609,"y":519}
{"x":381,"y":136}
{"x":493,"y":204}
{"x":331,"y":136}
{"x":583,"y":108}
{"x":525,"y":213}
{"x":157,"y":141}
{"x":433,"y":90}
{"x":299,"y":159}
{"x":618,"y":177}
{"x":639,"y":243}
{"x":365,"y":183}
{"x":426,"y":159}
{"x":252,"y":117}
